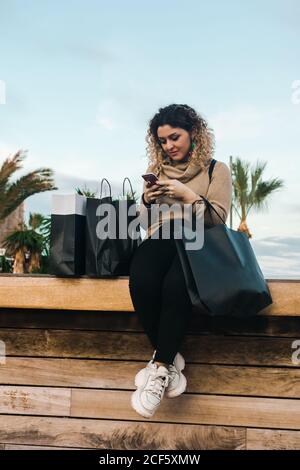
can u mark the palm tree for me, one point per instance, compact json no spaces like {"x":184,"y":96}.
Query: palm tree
{"x":38,"y":242}
{"x":26,"y":241}
{"x":250,"y":191}
{"x":12,"y":194}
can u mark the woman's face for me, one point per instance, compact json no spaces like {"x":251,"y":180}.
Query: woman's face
{"x":175,"y":141}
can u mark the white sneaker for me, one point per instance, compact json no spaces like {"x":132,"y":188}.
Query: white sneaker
{"x":141,"y":376}
{"x":177,"y":381}
{"x":149,"y":394}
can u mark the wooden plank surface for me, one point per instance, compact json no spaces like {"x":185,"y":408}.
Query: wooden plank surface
{"x":113,"y":434}
{"x":128,"y":321}
{"x":50,"y":292}
{"x":210,"y":349}
{"x":267,"y":439}
{"x":191,"y":408}
{"x":62,"y":293}
{"x":201,"y":378}
{"x":188,"y":408}
{"x":35,"y":400}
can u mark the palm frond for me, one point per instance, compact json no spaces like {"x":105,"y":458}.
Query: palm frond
{"x":85,"y":192}
{"x":10,"y":166}
{"x":256,"y":175}
{"x":37,"y":181}
{"x":263,"y":190}
{"x":128,"y":196}
{"x":35,"y":220}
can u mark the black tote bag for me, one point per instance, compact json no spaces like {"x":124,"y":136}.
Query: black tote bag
{"x":223,"y":277}
{"x":67,"y":241}
{"x":109,"y":254}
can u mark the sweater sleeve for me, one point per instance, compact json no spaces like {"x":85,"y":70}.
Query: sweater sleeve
{"x":219,"y":194}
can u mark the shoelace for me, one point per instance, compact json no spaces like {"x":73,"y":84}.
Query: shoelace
{"x":157,"y":384}
{"x":172,"y":371}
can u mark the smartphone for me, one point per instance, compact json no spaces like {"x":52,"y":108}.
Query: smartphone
{"x":150,"y":178}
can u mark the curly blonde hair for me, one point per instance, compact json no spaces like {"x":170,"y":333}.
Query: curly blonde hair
{"x":184,"y":117}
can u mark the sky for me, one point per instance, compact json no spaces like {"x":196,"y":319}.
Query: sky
{"x":80,"y":80}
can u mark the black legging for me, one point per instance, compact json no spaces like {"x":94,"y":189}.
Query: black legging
{"x":159,"y":295}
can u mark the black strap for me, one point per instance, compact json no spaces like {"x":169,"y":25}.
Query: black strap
{"x":208,"y":204}
{"x":211,"y":168}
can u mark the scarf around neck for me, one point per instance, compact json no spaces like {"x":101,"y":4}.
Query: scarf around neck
{"x":183,"y":171}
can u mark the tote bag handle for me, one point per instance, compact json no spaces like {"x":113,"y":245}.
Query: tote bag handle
{"x":130,"y":186}
{"x":104,"y":179}
{"x":210,"y":206}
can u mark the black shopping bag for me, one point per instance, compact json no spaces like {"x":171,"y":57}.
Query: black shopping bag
{"x":223,"y":277}
{"x":67,"y":243}
{"x":107,"y":253}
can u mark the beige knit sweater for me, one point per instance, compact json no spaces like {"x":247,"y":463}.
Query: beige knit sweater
{"x":218,"y":192}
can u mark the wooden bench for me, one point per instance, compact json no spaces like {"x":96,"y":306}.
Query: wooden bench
{"x":73,"y":347}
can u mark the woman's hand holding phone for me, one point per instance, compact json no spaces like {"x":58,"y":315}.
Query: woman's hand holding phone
{"x":152,"y":192}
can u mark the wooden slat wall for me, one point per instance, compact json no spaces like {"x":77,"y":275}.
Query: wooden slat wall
{"x":68,"y":375}
{"x":71,"y":387}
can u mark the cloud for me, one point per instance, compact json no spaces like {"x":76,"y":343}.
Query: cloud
{"x":89,"y":53}
{"x":105,"y":122}
{"x":55,"y":48}
{"x":108,"y":114}
{"x":275,"y":267}
{"x":251,"y":122}
{"x":277,"y":245}
{"x":247,"y":122}
{"x":289,"y":206}
{"x":278,"y":257}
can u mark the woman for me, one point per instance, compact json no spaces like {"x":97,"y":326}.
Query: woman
{"x":180,"y":149}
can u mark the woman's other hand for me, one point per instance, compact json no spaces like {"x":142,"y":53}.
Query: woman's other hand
{"x":177,"y":190}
